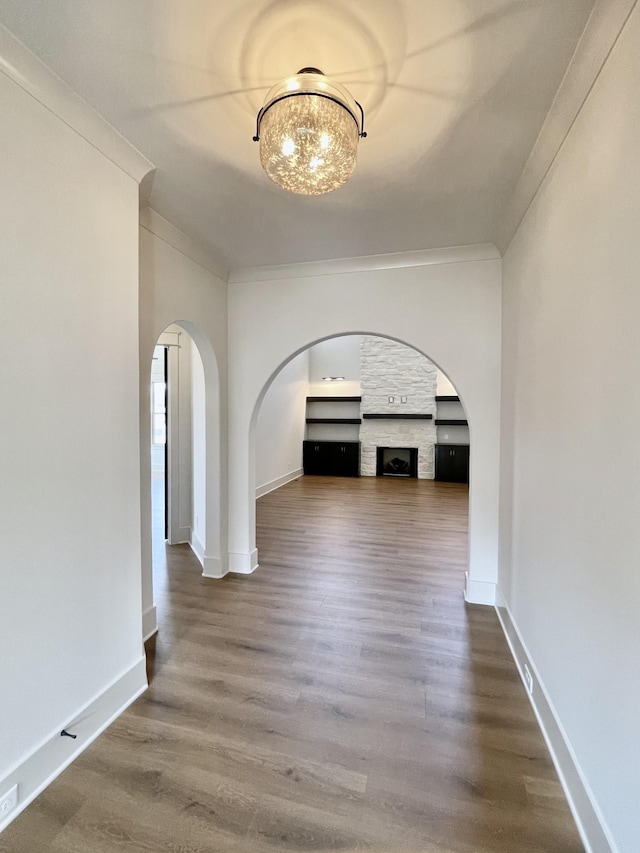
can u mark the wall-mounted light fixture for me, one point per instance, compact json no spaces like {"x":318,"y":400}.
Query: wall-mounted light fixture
{"x":333,"y":378}
{"x":308,"y":129}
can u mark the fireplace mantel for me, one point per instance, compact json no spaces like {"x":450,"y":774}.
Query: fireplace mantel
{"x":392,"y":416}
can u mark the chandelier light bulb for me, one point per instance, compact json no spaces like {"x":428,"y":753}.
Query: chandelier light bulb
{"x":308,"y":129}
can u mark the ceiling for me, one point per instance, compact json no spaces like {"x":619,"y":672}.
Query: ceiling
{"x":455,"y":93}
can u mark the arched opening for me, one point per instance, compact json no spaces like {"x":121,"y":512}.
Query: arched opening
{"x":461,"y":341}
{"x":361,"y":405}
{"x":180,"y":420}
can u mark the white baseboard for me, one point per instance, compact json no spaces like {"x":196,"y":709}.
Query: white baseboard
{"x":213,"y":568}
{"x":243,"y":564}
{"x":55,"y":753}
{"x":278,"y":482}
{"x":479,"y":592}
{"x":197,"y":547}
{"x":179,"y":536}
{"x":149,"y":623}
{"x":592,"y":827}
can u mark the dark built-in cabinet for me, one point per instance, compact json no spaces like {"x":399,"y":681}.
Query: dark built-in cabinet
{"x":332,"y":458}
{"x":452,"y":463}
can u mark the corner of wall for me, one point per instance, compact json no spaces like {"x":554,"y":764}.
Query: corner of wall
{"x":593,"y":830}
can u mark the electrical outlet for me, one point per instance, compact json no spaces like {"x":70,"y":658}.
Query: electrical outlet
{"x":392,"y":399}
{"x":8,"y":802}
{"x":403,"y":399}
{"x":528,"y":679}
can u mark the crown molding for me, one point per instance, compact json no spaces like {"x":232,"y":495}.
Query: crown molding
{"x":420,"y":258}
{"x":24,"y":69}
{"x":161,"y":228}
{"x":607,"y":20}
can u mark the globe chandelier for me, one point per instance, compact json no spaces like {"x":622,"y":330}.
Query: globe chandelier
{"x":308,"y":130}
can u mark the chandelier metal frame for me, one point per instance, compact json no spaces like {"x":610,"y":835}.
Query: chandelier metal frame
{"x":311,"y":93}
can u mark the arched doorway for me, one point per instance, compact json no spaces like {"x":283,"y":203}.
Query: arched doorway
{"x":448,"y":309}
{"x":248,"y":561}
{"x":375,"y":393}
{"x":188,"y":510}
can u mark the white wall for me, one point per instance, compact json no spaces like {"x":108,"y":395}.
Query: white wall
{"x":335,"y":357}
{"x":444,"y":386}
{"x":198,"y":453}
{"x":570,"y":573}
{"x":70,"y":603}
{"x":180,"y":285}
{"x":452,"y":315}
{"x":280,"y":426}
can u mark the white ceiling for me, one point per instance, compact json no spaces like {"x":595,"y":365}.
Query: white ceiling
{"x":455,"y":93}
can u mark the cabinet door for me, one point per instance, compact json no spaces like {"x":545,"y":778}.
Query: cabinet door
{"x":461,"y":464}
{"x":346,"y":459}
{"x":336,"y":459}
{"x":452,"y":463}
{"x":314,"y":457}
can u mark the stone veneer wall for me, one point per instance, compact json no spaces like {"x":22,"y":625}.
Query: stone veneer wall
{"x":389,"y":369}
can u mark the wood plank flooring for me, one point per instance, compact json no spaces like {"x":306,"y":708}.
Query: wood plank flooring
{"x":343,"y":697}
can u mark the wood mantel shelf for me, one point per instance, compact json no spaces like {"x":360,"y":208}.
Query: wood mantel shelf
{"x":334,"y":421}
{"x":334,"y":399}
{"x":392,"y":416}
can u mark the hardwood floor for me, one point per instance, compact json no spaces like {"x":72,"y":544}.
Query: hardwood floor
{"x":343,"y":697}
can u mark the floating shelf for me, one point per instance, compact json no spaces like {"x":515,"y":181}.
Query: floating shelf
{"x":334,"y":399}
{"x":451,"y":422}
{"x":334,"y":421}
{"x":447,"y":398}
{"x":388,"y":416}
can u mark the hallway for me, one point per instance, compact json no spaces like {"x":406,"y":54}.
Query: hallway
{"x":343,"y":697}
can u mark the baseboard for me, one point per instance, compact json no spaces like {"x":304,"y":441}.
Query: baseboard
{"x":197,"y":547}
{"x":55,"y":753}
{"x":592,"y":827}
{"x":479,"y":592}
{"x":213,"y":568}
{"x":278,"y":482}
{"x":180,"y":536}
{"x":149,"y":623}
{"x":243,"y":564}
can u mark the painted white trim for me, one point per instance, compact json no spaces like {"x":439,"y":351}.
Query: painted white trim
{"x":182,"y":537}
{"x":278,"y":482}
{"x":604,"y":26}
{"x":197,"y":547}
{"x":593,"y":829}
{"x":213,"y":568}
{"x":164,"y":230}
{"x":479,"y":592}
{"x":169,"y":339}
{"x":27,"y":71}
{"x":243,"y":564}
{"x":149,"y":623}
{"x":419,"y":258}
{"x":55,"y":753}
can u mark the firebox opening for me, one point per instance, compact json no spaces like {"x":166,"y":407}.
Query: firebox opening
{"x":397,"y":462}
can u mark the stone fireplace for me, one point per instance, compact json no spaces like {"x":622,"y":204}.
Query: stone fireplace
{"x":401,"y":383}
{"x":397,"y":462}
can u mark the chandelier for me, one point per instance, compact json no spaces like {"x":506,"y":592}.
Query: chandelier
{"x":308,"y":130}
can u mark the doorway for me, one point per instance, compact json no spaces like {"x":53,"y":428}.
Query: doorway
{"x":159,"y":445}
